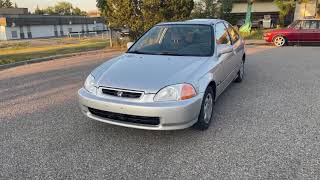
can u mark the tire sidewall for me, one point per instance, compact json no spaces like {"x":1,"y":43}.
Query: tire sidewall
{"x":201,"y":124}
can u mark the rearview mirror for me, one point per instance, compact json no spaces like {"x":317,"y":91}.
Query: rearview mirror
{"x":129,"y":44}
{"x":224,"y":49}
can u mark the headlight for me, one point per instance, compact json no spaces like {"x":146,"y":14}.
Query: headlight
{"x":175,"y":93}
{"x":89,"y":84}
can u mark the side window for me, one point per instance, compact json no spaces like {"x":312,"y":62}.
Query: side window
{"x":232,"y":32}
{"x":313,"y":25}
{"x":309,"y":24}
{"x":222,"y":36}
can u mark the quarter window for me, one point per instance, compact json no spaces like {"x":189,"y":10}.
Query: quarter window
{"x":222,"y":36}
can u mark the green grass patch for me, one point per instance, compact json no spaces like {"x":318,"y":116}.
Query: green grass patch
{"x":16,"y":54}
{"x":254,"y":34}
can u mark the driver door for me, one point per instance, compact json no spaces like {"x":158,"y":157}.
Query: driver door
{"x":226,"y":60}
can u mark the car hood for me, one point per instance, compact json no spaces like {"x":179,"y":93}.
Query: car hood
{"x":148,"y":73}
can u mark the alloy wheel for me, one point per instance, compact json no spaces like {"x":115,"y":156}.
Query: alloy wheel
{"x":208,"y":106}
{"x":279,"y":41}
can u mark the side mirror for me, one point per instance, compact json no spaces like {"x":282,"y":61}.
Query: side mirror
{"x":129,"y":44}
{"x":224,"y":49}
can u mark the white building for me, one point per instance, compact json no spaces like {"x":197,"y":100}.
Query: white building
{"x":25,"y":26}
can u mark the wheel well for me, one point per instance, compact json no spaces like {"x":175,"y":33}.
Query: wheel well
{"x":213,"y":85}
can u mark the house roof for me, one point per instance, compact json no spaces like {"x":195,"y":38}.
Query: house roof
{"x":28,"y":20}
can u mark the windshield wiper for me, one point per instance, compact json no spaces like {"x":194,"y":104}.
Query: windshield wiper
{"x":170,"y":54}
{"x":137,"y":52}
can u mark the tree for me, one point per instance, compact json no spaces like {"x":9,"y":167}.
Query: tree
{"x":205,"y":9}
{"x":5,"y":4}
{"x":15,"y":5}
{"x":285,"y":7}
{"x":38,"y":11}
{"x":78,"y":12}
{"x":49,"y":10}
{"x":226,"y":8}
{"x":140,"y":15}
{"x":63,"y":8}
{"x":102,"y":5}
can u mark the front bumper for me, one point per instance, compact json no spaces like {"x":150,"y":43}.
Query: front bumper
{"x":172,"y":115}
{"x":267,"y":38}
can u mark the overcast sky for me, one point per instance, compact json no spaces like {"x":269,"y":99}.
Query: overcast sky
{"x":32,"y":4}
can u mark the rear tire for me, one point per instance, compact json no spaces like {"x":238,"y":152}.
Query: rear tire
{"x":206,"y":111}
{"x":279,"y":41}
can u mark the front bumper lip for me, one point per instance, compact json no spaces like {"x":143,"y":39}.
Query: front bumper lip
{"x":267,"y":38}
{"x":173,"y":115}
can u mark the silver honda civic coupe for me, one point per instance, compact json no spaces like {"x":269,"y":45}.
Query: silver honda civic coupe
{"x":168,"y":79}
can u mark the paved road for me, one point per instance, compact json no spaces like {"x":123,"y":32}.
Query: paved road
{"x":267,"y":127}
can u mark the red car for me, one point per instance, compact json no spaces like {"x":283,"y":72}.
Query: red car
{"x":299,"y":31}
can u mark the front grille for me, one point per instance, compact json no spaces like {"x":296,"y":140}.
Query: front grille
{"x":121,"y":93}
{"x":125,"y":117}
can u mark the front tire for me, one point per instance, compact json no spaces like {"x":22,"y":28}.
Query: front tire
{"x":206,"y":111}
{"x":279,"y":41}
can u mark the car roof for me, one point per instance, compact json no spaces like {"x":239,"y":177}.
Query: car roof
{"x":194,"y":21}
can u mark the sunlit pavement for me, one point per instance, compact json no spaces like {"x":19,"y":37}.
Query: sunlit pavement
{"x":267,"y":127}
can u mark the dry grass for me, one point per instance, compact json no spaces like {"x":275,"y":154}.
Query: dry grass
{"x":20,"y":51}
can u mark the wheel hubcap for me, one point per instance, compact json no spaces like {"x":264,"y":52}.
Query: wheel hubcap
{"x":208,"y":104}
{"x":279,"y":41}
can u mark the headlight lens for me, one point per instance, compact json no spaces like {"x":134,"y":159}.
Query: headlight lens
{"x":175,"y":93}
{"x":89,"y":84}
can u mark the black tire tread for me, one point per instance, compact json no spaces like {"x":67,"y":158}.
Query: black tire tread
{"x":200,"y":124}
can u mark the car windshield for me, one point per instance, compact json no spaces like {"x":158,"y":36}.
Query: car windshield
{"x":295,"y":24}
{"x":176,"y":40}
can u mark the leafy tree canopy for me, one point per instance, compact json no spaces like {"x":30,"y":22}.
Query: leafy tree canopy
{"x":285,"y":7}
{"x":61,"y":8}
{"x":206,"y":9}
{"x":140,"y":15}
{"x":6,"y":4}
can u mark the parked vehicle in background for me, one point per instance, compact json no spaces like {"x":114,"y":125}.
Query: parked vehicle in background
{"x":304,"y":31}
{"x":256,"y":24}
{"x":168,"y":79}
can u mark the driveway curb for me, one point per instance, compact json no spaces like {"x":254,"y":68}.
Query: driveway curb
{"x":49,"y":58}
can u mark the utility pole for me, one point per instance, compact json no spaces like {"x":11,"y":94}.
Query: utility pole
{"x":110,"y":34}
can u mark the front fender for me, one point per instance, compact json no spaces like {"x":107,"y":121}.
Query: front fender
{"x":205,"y":81}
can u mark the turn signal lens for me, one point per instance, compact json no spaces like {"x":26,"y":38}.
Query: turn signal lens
{"x":175,"y":92}
{"x":187,"y":92}
{"x":268,"y":34}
